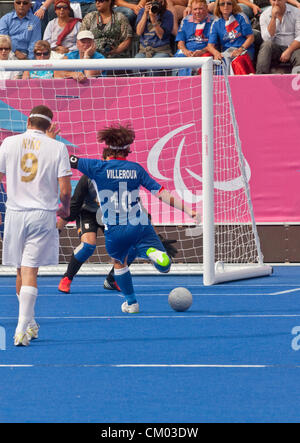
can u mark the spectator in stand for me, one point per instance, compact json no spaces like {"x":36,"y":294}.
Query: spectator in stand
{"x":154,"y":27}
{"x":62,"y":32}
{"x":23,"y":27}
{"x":112,"y":31}
{"x":42,"y":51}
{"x":280,"y":31}
{"x":248,"y":7}
{"x":5,"y":51}
{"x":130,"y":8}
{"x":231,"y":31}
{"x":193,"y":34}
{"x":79,"y":8}
{"x":86,"y":50}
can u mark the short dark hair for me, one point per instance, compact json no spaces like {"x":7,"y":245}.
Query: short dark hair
{"x":116,"y":135}
{"x":39,"y":122}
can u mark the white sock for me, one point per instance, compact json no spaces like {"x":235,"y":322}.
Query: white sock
{"x":27,"y":298}
{"x":32,"y":322}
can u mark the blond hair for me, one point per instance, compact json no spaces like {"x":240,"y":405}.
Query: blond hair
{"x":5,"y":39}
{"x":236,"y":9}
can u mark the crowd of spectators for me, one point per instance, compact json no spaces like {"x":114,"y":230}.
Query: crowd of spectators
{"x":251,"y":36}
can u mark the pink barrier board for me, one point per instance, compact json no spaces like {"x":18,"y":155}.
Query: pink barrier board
{"x":268,"y":111}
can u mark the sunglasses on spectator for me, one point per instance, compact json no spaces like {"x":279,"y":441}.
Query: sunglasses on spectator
{"x":62,"y":7}
{"x":39,"y":54}
{"x":226,"y":4}
{"x":5,"y":49}
{"x":22,"y":3}
{"x":101,"y":1}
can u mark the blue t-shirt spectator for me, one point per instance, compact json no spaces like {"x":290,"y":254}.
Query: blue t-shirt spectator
{"x":74,"y":55}
{"x":149,"y":37}
{"x":23,"y":32}
{"x":194,"y":35}
{"x":231,"y":33}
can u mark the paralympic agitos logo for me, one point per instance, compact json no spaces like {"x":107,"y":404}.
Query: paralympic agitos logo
{"x":153,"y":165}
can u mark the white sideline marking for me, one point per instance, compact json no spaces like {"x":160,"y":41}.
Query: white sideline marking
{"x":118,"y":294}
{"x":137,"y":366}
{"x":184,"y":316}
{"x":286,"y":292}
{"x":16,"y":366}
{"x":78,"y":286}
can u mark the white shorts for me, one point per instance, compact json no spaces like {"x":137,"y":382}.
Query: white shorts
{"x":30,"y":239}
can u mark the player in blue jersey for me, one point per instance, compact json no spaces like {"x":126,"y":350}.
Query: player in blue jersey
{"x":83,"y":209}
{"x":126,"y":225}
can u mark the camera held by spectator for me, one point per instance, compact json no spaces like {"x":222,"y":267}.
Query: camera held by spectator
{"x":156,"y":7}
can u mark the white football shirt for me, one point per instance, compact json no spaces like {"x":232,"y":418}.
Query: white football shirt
{"x":32,"y":163}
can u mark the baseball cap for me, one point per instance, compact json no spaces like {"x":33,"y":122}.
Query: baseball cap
{"x":85,"y":34}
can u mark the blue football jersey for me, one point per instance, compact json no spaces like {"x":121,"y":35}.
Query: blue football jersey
{"x":231,"y":33}
{"x":118,"y":182}
{"x":194,"y":35}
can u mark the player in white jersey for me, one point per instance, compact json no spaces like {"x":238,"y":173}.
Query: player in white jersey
{"x":37,"y":173}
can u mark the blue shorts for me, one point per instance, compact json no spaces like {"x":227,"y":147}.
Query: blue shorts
{"x":121,"y":241}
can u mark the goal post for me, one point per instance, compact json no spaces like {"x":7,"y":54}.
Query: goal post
{"x":215,"y":271}
{"x":186,"y":137}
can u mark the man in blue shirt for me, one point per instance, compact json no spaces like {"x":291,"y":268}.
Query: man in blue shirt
{"x":193,"y":33}
{"x":23,"y":27}
{"x":127,"y":226}
{"x":86,"y":50}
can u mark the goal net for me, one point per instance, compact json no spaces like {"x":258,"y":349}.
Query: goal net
{"x":187,"y":139}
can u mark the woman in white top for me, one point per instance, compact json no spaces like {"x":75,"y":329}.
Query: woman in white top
{"x":6,"y":54}
{"x":61,"y":32}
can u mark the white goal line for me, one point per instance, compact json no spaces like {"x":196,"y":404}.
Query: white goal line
{"x":103,"y":269}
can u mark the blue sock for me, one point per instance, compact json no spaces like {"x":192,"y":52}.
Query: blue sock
{"x":84,"y":251}
{"x":124,"y":281}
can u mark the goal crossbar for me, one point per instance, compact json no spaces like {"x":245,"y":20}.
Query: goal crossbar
{"x":106,"y":64}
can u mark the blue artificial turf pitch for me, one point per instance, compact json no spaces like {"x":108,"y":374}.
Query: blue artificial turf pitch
{"x":228,"y":359}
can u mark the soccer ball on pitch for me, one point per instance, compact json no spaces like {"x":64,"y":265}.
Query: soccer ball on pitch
{"x":180,"y":299}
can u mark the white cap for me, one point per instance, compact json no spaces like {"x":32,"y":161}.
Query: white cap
{"x":85,"y":34}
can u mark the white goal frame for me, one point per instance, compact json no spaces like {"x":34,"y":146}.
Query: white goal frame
{"x":212,"y":273}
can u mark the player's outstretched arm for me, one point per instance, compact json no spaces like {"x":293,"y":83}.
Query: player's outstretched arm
{"x":166,"y":197}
